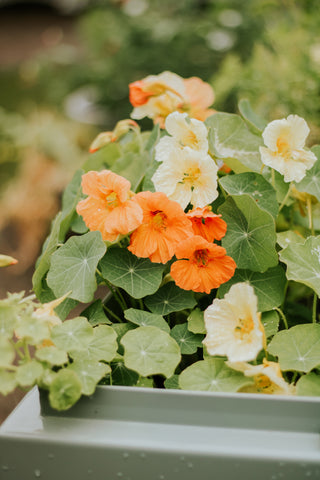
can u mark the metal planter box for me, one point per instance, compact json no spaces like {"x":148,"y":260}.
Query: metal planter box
{"x":127,"y":433}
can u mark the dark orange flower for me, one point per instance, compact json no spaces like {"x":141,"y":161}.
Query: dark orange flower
{"x":207,"y":224}
{"x":201,"y":266}
{"x":164,"y":226}
{"x":109,"y":207}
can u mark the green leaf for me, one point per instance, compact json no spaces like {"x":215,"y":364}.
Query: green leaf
{"x":187,"y":341}
{"x":52,"y":355}
{"x":309,"y":385}
{"x":212,"y":375}
{"x":65,"y":390}
{"x":8,"y":382}
{"x":33,"y":329}
{"x":74,"y":334}
{"x":146,"y":319}
{"x":29,"y":373}
{"x":150,"y":351}
{"x":121,"y":375}
{"x":8,"y":319}
{"x":250,"y":239}
{"x":144,"y":382}
{"x":89,"y":373}
{"x":137,"y":276}
{"x":254,"y":121}
{"x":172,"y":383}
{"x":153,"y":138}
{"x":230,"y":139}
{"x":61,"y":310}
{"x":269,"y":286}
{"x":104,"y":158}
{"x":95,"y":314}
{"x":132,"y":167}
{"x":303,"y":262}
{"x":102,"y":345}
{"x":270,"y":321}
{"x":297,"y":348}
{"x":311,"y":182}
{"x":288,"y":237}
{"x":70,"y":199}
{"x":196,"y":321}
{"x":73,"y":267}
{"x":43,"y":263}
{"x":170,"y":298}
{"x":7,"y":352}
{"x":254,"y":185}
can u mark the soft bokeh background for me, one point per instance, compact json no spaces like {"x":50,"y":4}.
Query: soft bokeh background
{"x":65,"y":66}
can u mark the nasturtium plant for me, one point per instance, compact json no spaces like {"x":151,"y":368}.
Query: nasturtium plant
{"x":186,"y":257}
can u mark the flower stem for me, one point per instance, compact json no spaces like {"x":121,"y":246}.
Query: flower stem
{"x":310,"y":215}
{"x":283,"y":317}
{"x":285,"y":198}
{"x":112,"y":314}
{"x":314,"y":308}
{"x":273,"y":178}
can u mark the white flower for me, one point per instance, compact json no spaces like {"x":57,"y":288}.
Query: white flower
{"x":233,"y":325}
{"x":188,"y":176}
{"x":267,"y":378}
{"x":184,"y":133}
{"x":285,"y":140}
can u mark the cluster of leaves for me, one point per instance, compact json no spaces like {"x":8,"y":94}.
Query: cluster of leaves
{"x":159,"y":327}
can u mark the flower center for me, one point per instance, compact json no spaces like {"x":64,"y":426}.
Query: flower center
{"x":190,"y":139}
{"x":244,"y":327}
{"x":201,"y":257}
{"x":159,"y":219}
{"x":192,"y":175}
{"x":112,"y":200}
{"x":283,"y":147}
{"x":264,"y":384}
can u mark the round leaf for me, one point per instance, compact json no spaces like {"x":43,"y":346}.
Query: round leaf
{"x":65,"y":390}
{"x":29,"y":373}
{"x":8,"y":382}
{"x":102,"y":345}
{"x":309,"y":385}
{"x":311,"y":182}
{"x":297,"y":348}
{"x":89,"y":373}
{"x":146,"y":319}
{"x":8,"y":319}
{"x":71,"y":335}
{"x":187,"y":341}
{"x":150,"y":351}
{"x":7,"y":352}
{"x":250,"y":239}
{"x":303,"y":262}
{"x":254,"y":185}
{"x":137,"y":276}
{"x":52,"y":355}
{"x":170,"y":298}
{"x":73,"y":267}
{"x":121,"y":375}
{"x":270,"y":322}
{"x":196,"y":321}
{"x":212,"y":375}
{"x":33,"y":329}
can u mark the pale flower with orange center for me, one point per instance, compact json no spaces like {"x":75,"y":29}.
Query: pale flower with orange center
{"x":233,"y":325}
{"x":163,"y":227}
{"x":267,"y":378}
{"x":188,"y":176}
{"x":207,"y":224}
{"x":110,"y":207}
{"x":201,"y":265}
{"x":284,"y":152}
{"x":156,"y":96}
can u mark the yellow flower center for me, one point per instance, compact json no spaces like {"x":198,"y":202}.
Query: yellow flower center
{"x":244,"y":327}
{"x":264,"y":384}
{"x":190,"y":139}
{"x":192,"y":175}
{"x":283,"y":147}
{"x":112,"y":200}
{"x":159,"y":219}
{"x":201,"y":257}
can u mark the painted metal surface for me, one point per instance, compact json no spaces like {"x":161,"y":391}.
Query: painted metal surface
{"x":126,"y":433}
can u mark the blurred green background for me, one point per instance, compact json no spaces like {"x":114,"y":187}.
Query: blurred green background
{"x":65,"y":66}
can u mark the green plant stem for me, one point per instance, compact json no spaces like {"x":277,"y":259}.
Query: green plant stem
{"x":112,"y":314}
{"x":294,"y":377}
{"x":285,"y":198}
{"x":310,"y":215}
{"x":117,"y":295}
{"x":26,"y":350}
{"x":283,"y":317}
{"x":314,"y":308}
{"x":273,"y":179}
{"x":140,"y":304}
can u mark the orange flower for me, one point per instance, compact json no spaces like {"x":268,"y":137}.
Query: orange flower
{"x":207,"y":224}
{"x":109,"y":207}
{"x":200,"y":96}
{"x":202,"y":266}
{"x":164,"y":226}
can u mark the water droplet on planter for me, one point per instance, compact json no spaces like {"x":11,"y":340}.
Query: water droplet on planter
{"x":5,"y":468}
{"x":119,"y":474}
{"x":190,"y":465}
{"x":37,"y":473}
{"x":308,"y":473}
{"x":125,"y":455}
{"x":161,"y":477}
{"x":90,"y":471}
{"x":50,"y":455}
{"x":142,"y":455}
{"x":182,"y":459}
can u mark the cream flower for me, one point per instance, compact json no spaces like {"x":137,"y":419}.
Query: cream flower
{"x":188,"y":176}
{"x":233,"y":325}
{"x":184,"y":133}
{"x":285,"y":140}
{"x":267,"y":378}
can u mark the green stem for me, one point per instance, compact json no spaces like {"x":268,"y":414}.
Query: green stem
{"x":141,"y":304}
{"x":282,"y":315}
{"x":26,"y":350}
{"x":273,"y":179}
{"x":294,"y":377}
{"x":310,"y":215}
{"x":117,"y":295}
{"x":285,"y":198}
{"x":112,"y":314}
{"x":314,"y":308}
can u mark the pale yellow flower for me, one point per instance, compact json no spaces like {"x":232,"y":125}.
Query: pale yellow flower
{"x":188,"y":176}
{"x":267,"y":378}
{"x":184,"y":132}
{"x":46,"y":311}
{"x":233,"y":325}
{"x":285,"y":152}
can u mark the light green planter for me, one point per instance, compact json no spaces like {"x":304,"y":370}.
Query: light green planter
{"x":124,"y":433}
